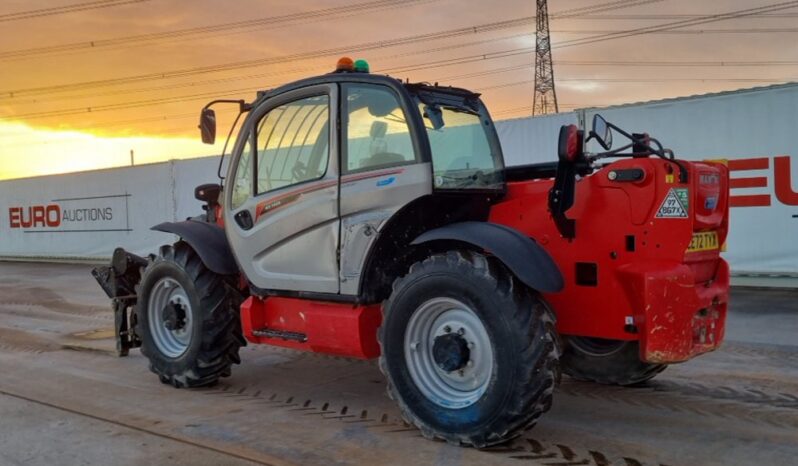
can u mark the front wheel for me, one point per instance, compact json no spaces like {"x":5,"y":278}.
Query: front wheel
{"x":470,"y":355}
{"x":612,"y":362}
{"x":187,"y":319}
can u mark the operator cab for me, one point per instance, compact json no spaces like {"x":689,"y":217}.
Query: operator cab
{"x":322,"y":164}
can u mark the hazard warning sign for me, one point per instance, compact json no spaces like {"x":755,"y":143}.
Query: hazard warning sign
{"x":675,"y":205}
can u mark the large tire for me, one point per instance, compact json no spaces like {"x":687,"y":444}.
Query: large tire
{"x":196,"y":340}
{"x":610,"y":362}
{"x":460,"y":300}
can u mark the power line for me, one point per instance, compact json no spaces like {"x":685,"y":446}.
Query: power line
{"x":452,"y":33}
{"x":429,"y":65}
{"x":60,"y":10}
{"x":643,"y":17}
{"x":679,"y":24}
{"x":196,"y":96}
{"x":692,"y":31}
{"x":642,"y":81}
{"x":210,"y":30}
{"x":246,"y":25}
{"x":305,"y":70}
{"x":677,"y":63}
{"x":407,"y":40}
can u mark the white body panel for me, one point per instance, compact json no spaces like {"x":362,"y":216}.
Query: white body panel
{"x":368,"y":201}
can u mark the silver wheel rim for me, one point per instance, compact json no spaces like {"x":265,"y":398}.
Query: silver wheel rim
{"x":459,"y":388}
{"x":170,"y":342}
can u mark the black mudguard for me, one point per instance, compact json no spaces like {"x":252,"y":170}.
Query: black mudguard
{"x":525,"y":258}
{"x":208,"y":240}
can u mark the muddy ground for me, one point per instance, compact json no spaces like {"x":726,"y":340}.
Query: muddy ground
{"x":66,"y":399}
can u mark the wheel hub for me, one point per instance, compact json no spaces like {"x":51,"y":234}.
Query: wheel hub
{"x":450,"y":352}
{"x":170,"y":317}
{"x":174,"y":316}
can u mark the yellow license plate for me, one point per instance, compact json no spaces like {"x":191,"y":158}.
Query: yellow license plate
{"x":704,"y":241}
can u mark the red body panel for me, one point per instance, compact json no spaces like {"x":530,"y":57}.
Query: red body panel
{"x":333,"y":328}
{"x":647,"y":287}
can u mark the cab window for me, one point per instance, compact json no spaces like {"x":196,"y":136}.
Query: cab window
{"x":242,"y":182}
{"x":292,"y":143}
{"x":377,"y":132}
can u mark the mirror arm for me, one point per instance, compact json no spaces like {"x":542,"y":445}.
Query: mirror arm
{"x":683,"y":175}
{"x":612,"y":153}
{"x":660,"y":152}
{"x":242,"y":104}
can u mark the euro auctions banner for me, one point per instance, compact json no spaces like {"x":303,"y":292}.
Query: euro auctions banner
{"x":86,"y":215}
{"x":73,"y":215}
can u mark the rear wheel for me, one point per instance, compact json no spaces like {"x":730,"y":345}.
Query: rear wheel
{"x":612,"y":362}
{"x":187,"y":319}
{"x":470,"y":356}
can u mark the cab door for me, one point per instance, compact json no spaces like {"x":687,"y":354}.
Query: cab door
{"x":383,"y":171}
{"x":281,"y":203}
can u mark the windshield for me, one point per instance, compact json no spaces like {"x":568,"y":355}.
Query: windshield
{"x":462,"y":154}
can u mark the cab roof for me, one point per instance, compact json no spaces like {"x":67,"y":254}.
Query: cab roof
{"x":361,"y":77}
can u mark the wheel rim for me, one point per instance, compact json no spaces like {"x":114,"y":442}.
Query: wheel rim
{"x":596,"y":346}
{"x":170,"y":333}
{"x":447,"y":320}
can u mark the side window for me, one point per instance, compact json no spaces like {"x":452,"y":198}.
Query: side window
{"x":242,"y":183}
{"x":377,"y":131}
{"x":293,"y":143}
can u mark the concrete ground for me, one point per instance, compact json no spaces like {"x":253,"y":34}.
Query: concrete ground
{"x":66,"y":399}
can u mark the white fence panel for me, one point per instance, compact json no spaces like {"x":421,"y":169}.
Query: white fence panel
{"x":532,"y":140}
{"x":85,"y":215}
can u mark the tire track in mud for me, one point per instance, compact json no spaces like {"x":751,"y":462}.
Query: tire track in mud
{"x":390,"y":422}
{"x":721,"y":402}
{"x":761,"y":350}
{"x":755,"y":396}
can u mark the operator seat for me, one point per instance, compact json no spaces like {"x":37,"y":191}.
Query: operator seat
{"x":379,"y":148}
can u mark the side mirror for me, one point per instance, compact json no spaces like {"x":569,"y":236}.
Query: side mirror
{"x":207,"y":125}
{"x":601,"y":132}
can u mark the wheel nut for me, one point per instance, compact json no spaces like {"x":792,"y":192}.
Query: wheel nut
{"x":414,"y":346}
{"x":470,"y":363}
{"x":461,"y":372}
{"x":447,"y":329}
{"x":461,"y":332}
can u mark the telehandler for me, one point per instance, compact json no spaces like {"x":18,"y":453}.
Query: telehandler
{"x":367,"y":217}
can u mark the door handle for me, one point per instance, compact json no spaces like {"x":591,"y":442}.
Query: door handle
{"x":244,"y":219}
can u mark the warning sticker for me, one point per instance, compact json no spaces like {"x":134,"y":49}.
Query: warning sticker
{"x":675,"y":205}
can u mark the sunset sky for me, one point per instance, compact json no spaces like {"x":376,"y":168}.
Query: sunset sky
{"x":83,"y":82}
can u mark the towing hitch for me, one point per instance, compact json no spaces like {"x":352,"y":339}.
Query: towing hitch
{"x":119,"y":282}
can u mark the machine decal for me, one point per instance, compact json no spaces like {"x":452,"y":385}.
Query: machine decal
{"x":273,"y":204}
{"x":675,"y":205}
{"x":386,"y":181}
{"x":365,"y":176}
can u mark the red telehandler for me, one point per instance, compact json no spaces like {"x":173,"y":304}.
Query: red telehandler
{"x":366,"y":217}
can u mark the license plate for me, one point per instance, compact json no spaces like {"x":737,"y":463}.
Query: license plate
{"x":703,"y":241}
